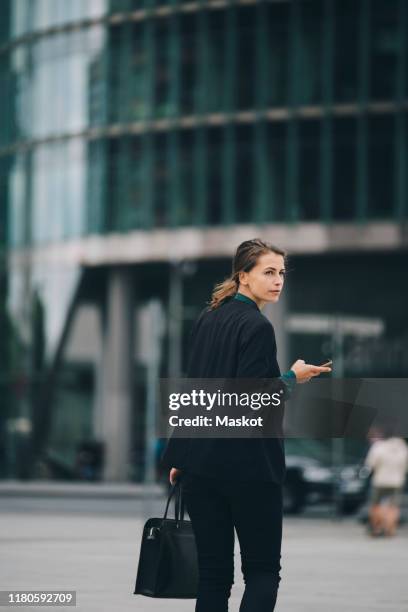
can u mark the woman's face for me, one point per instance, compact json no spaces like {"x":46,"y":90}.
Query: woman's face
{"x":264,"y":282}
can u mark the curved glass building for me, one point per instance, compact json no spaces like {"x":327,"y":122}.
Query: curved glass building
{"x":140,"y":142}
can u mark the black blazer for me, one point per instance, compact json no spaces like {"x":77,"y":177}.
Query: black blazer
{"x":234,"y":340}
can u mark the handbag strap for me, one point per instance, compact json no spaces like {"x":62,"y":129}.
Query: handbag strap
{"x":173,"y":489}
{"x":178,"y":504}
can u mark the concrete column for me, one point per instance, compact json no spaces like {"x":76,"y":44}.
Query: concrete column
{"x":100,"y":368}
{"x":113,"y":412}
{"x":175,"y":319}
{"x":277,"y":314}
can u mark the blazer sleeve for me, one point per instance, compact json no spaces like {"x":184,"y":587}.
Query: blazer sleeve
{"x":257,"y":359}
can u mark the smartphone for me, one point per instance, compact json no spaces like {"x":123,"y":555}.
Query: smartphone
{"x":322,"y":365}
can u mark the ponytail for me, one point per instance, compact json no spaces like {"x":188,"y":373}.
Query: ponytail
{"x":224,"y":290}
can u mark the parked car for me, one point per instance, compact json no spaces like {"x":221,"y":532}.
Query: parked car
{"x":311,"y":480}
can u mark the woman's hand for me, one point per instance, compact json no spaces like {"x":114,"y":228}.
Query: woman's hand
{"x":305,"y":371}
{"x":174,"y":474}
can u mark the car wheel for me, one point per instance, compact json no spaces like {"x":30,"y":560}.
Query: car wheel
{"x":349,"y":507}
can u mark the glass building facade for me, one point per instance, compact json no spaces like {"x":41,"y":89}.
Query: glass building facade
{"x":129,"y":115}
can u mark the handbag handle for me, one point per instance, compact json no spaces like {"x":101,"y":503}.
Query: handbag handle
{"x":178,"y":504}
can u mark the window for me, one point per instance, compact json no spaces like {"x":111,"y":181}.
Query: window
{"x":344,"y":171}
{"x":278,"y":53}
{"x":347,"y":18}
{"x":188,"y":64}
{"x":160,"y":180}
{"x":244,"y":169}
{"x":215,"y":166}
{"x":186,"y":177}
{"x":310,"y":52}
{"x":246,"y":43}
{"x":381,"y":163}
{"x":277,"y":134}
{"x":309,"y":169}
{"x":139,"y":68}
{"x":162,"y":74}
{"x":216,"y":70}
{"x":385,"y":47}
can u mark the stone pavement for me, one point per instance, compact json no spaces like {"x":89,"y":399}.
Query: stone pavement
{"x":92,"y":547}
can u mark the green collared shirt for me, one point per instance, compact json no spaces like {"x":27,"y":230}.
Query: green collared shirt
{"x":244,"y":298}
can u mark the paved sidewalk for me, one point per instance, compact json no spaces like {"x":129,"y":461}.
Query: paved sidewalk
{"x":327,"y":566}
{"x":55,"y":488}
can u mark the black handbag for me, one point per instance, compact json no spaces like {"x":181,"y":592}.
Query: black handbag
{"x":168,"y":564}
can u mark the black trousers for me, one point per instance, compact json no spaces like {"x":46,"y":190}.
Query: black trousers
{"x":254,"y":509}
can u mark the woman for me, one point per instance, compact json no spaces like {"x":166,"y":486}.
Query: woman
{"x":237,"y":482}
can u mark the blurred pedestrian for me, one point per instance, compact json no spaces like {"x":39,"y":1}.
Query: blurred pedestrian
{"x":237,"y":482}
{"x":388,"y":460}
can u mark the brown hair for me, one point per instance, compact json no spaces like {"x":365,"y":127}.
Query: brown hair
{"x":245,"y":258}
